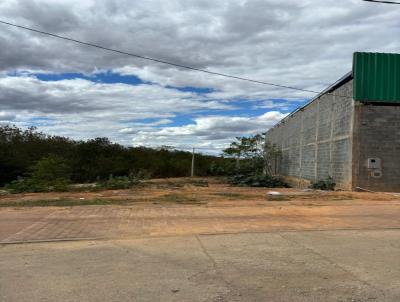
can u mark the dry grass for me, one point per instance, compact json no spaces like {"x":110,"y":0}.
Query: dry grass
{"x":63,"y":202}
{"x":190,"y":191}
{"x":179,"y":199}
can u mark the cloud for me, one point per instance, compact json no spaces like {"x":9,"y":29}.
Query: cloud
{"x":287,"y":42}
{"x":80,"y":96}
{"x":6,"y":116}
{"x":83,"y":109}
{"x":150,"y":125}
{"x":306,"y":44}
{"x":219,"y":130}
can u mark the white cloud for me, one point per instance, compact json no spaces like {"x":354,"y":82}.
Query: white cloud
{"x":306,"y":44}
{"x":6,"y":116}
{"x":84,"y":109}
{"x":219,"y":130}
{"x":79,"y":96}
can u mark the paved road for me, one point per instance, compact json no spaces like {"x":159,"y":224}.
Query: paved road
{"x":147,"y":252}
{"x":280,"y":266}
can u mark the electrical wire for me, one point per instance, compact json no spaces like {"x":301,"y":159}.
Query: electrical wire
{"x":381,"y":1}
{"x":189,"y":148}
{"x":162,"y":61}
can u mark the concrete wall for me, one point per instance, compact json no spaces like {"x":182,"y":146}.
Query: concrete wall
{"x":316,"y":142}
{"x":377,"y":135}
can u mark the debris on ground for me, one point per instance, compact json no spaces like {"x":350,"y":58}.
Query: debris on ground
{"x":276,"y":196}
{"x":4,"y":192}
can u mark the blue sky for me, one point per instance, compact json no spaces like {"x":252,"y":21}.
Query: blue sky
{"x":242,"y":107}
{"x":245,"y":108}
{"x":133,"y":111}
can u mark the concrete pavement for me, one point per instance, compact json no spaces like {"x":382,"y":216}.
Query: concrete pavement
{"x":344,"y":265}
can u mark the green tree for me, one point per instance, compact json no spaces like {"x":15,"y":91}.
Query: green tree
{"x":26,"y":154}
{"x":254,"y":157}
{"x":50,"y":169}
{"x":50,"y":173}
{"x":248,"y":152}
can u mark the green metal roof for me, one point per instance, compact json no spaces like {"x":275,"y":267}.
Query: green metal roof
{"x":376,"y":77}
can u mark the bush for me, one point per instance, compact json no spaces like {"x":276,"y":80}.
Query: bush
{"x":34,"y":186}
{"x":258,"y":180}
{"x":50,"y":169}
{"x":325,"y":184}
{"x":95,"y":158}
{"x":139,"y":175}
{"x":51,"y":173}
{"x":118,"y":182}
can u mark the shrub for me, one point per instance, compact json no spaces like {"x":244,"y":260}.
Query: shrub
{"x":258,"y":180}
{"x":118,"y":182}
{"x":325,"y":184}
{"x":139,"y":175}
{"x":199,"y":183}
{"x":50,"y":169}
{"x":34,"y":186}
{"x":51,"y":173}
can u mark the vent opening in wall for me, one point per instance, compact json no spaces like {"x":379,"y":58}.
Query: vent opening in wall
{"x":377,"y":174}
{"x":374,"y":163}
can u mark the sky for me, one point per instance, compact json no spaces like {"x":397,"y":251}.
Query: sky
{"x":72,"y":90}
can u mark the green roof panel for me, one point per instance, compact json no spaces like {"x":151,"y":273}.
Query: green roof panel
{"x":376,"y":77}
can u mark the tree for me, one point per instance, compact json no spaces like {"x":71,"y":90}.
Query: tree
{"x":25,"y":153}
{"x":50,"y":173}
{"x":255,"y":157}
{"x":248,"y":152}
{"x":50,"y":169}
{"x":272,"y":157}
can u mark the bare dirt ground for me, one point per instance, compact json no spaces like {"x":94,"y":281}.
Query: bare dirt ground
{"x":178,"y":240}
{"x":182,"y":207}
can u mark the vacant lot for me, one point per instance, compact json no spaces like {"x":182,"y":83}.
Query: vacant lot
{"x":183,"y":207}
{"x":180,"y":240}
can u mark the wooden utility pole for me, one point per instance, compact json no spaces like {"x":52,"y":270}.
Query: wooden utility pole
{"x":192,"y":169}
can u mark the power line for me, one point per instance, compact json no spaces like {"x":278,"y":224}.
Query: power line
{"x":381,"y":2}
{"x":189,"y":148}
{"x":161,"y":61}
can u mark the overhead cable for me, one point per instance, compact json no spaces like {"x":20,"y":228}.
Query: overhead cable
{"x":162,"y":61}
{"x":381,"y":1}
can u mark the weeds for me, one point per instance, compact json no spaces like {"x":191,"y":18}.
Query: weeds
{"x":63,"y":202}
{"x":230,"y":195}
{"x":324,"y":184}
{"x":178,"y":198}
{"x":198,"y":183}
{"x":34,"y":186}
{"x":258,"y":180}
{"x":116,"y":183}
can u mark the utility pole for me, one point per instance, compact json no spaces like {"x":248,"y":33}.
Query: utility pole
{"x":192,"y":170}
